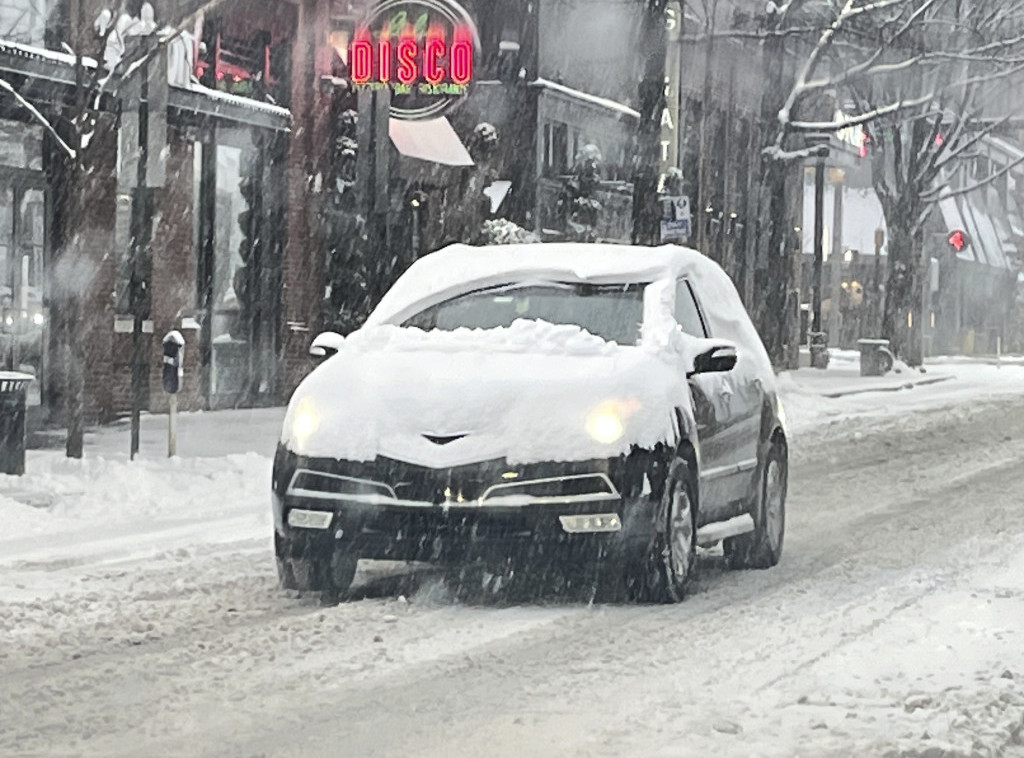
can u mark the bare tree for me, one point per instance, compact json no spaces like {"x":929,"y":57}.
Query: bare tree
{"x":76,"y":132}
{"x":653,"y":41}
{"x":941,"y":73}
{"x":911,"y":73}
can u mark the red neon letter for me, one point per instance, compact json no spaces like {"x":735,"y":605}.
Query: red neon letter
{"x":407,"y":52}
{"x":384,"y":59}
{"x":433,"y":52}
{"x":360,"y":61}
{"x":461,"y":59}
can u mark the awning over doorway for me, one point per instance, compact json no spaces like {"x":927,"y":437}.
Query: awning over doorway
{"x":433,"y":140}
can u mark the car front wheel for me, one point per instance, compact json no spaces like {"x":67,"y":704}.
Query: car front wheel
{"x":307,"y":567}
{"x":666,"y":571}
{"x":762,"y":548}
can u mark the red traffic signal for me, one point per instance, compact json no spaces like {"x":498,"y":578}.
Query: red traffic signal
{"x":958,"y":239}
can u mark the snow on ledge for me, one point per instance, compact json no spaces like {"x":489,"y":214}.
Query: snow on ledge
{"x":586,"y":97}
{"x":244,"y":102}
{"x":30,"y":51}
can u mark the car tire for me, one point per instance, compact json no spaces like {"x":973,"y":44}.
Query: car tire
{"x":335,"y":574}
{"x":666,"y":571}
{"x":294,"y":569}
{"x":466,"y":583}
{"x":303,"y":567}
{"x":762,"y":548}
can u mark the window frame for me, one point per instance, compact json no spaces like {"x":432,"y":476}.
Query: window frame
{"x":639,"y":287}
{"x":685,"y":282}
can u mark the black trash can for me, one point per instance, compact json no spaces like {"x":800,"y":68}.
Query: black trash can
{"x":13,"y":389}
{"x":875,"y":357}
{"x":819,"y":349}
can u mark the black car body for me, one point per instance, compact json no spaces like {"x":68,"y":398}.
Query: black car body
{"x":606,"y":406}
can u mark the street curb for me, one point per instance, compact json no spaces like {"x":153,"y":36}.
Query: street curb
{"x":888,"y":388}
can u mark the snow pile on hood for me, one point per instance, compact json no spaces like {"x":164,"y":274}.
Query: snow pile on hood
{"x":522,"y":336}
{"x":526,"y":393}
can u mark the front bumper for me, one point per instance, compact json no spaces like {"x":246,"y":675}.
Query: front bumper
{"x":393,"y":511}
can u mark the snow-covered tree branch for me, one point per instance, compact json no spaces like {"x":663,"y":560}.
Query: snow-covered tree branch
{"x":918,"y":77}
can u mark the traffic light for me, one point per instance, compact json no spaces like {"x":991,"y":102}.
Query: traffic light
{"x":958,"y":239}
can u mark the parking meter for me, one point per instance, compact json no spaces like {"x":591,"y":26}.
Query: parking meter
{"x":174,"y":361}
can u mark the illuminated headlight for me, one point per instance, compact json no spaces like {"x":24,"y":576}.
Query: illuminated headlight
{"x":606,"y":423}
{"x":38,"y":319}
{"x":306,"y":420}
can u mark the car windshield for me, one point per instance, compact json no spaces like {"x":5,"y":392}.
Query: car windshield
{"x":612,"y":312}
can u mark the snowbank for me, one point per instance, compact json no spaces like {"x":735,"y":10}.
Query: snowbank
{"x":103,"y":510}
{"x":814,"y":398}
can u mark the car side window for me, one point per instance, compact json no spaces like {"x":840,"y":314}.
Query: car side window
{"x":687,"y":312}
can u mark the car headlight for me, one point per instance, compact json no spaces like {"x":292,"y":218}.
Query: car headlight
{"x":606,"y":423}
{"x":306,"y":420}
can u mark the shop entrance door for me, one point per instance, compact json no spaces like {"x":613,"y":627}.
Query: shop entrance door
{"x":236,"y":263}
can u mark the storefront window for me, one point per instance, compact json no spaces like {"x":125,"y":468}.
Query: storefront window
{"x":21,"y":145}
{"x":229,"y":323}
{"x":236,"y":323}
{"x":22,"y":316}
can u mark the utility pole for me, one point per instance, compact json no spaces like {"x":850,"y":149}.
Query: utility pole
{"x":877,"y":301}
{"x":819,"y":233}
{"x":708,"y":120}
{"x":373,"y":181}
{"x":150,"y":87}
{"x":72,"y":330}
{"x":838,"y":256}
{"x":926,"y":301}
{"x":141,"y":234}
{"x":773,"y":228}
{"x":653,"y":39}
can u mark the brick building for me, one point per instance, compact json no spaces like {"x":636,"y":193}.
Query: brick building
{"x":218,"y":221}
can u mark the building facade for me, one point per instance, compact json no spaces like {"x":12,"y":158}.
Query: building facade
{"x":261,"y":211}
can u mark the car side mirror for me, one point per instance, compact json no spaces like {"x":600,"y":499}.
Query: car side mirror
{"x":326,"y":344}
{"x":715,"y":359}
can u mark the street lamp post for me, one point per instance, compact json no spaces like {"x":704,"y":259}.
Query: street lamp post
{"x":819,"y":234}
{"x":143,"y":137}
{"x":820,"y":143}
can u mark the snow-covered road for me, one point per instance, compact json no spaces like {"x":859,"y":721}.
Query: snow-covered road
{"x":893,"y":626}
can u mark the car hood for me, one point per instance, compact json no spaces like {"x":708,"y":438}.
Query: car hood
{"x":527,"y":393}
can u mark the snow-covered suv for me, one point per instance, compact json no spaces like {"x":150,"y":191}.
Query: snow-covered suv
{"x":601,"y":408}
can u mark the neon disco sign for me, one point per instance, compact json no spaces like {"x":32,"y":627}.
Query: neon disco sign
{"x":422,"y":50}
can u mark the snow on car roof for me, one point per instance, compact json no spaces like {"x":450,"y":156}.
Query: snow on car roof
{"x":457,"y":268}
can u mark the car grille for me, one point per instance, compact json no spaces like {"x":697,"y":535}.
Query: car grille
{"x":386,"y":480}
